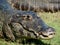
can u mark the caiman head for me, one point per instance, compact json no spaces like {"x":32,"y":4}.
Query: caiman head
{"x":34,"y":24}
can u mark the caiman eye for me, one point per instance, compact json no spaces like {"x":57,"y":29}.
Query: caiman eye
{"x":24,"y":17}
{"x":29,"y":17}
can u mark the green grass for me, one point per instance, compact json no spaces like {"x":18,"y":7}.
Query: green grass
{"x":52,"y":19}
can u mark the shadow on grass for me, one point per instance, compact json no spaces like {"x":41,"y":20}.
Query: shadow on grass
{"x":34,"y":41}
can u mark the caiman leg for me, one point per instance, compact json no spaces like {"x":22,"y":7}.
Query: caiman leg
{"x":7,"y":32}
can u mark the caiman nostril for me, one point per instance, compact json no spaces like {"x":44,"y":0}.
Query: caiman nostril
{"x":52,"y":34}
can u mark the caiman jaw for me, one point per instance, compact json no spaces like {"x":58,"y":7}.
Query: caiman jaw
{"x":47,"y":36}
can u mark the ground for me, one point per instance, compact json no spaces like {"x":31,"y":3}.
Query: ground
{"x":52,"y":19}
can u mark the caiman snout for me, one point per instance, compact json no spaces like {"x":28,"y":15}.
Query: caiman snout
{"x":47,"y":33}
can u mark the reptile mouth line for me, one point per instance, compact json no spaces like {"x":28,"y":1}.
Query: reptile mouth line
{"x":45,"y":36}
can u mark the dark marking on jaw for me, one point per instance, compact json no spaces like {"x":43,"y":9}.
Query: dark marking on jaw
{"x":21,"y":31}
{"x":30,"y":31}
{"x":40,"y":33}
{"x":28,"y":34}
{"x":44,"y":35}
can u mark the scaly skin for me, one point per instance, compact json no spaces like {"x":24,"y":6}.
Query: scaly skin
{"x":29,"y":24}
{"x":36,"y":5}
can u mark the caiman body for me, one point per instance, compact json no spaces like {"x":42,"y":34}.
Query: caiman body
{"x":18,"y":24}
{"x":36,"y":5}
